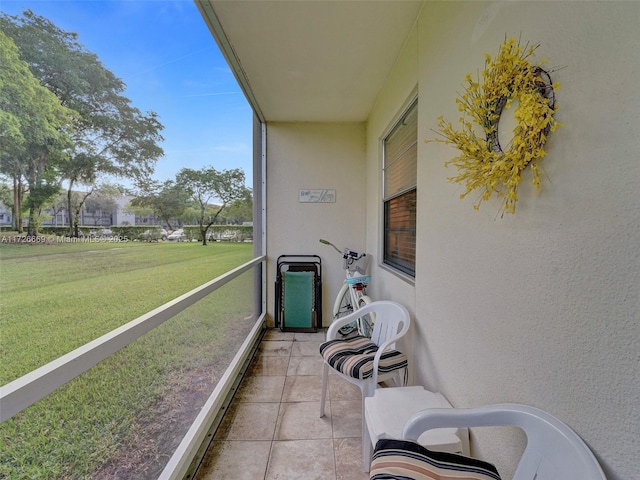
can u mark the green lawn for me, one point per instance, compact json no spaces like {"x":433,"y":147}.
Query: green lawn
{"x":54,"y":298}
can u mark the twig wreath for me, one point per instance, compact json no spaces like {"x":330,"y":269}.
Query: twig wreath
{"x":484,"y":164}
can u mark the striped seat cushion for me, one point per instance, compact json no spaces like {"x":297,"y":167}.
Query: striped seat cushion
{"x":404,"y":460}
{"x":354,"y":357}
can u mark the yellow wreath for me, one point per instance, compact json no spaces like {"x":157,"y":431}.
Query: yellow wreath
{"x":484,"y":164}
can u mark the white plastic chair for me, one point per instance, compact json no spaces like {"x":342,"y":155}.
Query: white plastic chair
{"x":553,"y":450}
{"x":392,"y":322}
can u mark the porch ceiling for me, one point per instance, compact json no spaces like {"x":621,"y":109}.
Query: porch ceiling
{"x":312,"y":61}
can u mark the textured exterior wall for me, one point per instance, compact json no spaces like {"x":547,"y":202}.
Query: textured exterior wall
{"x":314,"y":156}
{"x":541,"y":307}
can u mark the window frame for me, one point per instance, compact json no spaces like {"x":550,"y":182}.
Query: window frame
{"x":408,"y":193}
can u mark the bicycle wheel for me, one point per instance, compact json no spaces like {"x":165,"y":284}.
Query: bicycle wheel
{"x":344,"y":306}
{"x":365,"y":323}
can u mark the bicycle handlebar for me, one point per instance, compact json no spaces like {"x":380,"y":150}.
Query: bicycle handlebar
{"x":353,"y":261}
{"x":348,"y":254}
{"x":327,"y":242}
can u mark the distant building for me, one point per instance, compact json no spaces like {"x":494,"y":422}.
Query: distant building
{"x":88,"y":217}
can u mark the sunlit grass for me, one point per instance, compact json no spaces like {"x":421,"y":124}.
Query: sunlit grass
{"x":58,"y":297}
{"x":64,"y":296}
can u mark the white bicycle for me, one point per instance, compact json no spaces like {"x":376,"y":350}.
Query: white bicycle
{"x":353,"y":293}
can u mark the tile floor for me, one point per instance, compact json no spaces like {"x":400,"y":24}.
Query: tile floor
{"x":273,"y":429}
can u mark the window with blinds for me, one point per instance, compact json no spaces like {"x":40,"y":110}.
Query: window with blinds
{"x":400,"y":155}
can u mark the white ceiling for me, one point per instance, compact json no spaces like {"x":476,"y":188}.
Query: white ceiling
{"x":315,"y":61}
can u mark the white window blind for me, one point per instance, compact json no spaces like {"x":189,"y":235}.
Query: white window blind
{"x":400,"y":154}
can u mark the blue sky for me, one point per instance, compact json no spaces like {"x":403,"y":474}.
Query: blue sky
{"x":164,"y":52}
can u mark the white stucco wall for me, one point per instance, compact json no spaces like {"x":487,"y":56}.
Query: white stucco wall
{"x":541,"y":307}
{"x":314,"y":156}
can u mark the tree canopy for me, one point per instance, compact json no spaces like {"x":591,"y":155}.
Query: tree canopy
{"x":33,"y":126}
{"x":92,"y":129}
{"x":208,"y":185}
{"x":65,"y":122}
{"x":166,"y":200}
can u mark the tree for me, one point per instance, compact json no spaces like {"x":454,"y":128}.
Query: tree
{"x":33,"y":126}
{"x":208,"y":184}
{"x":99,"y":198}
{"x":103,"y":201}
{"x":6,"y":196}
{"x":79,"y":169}
{"x":167,"y":200}
{"x":239,"y":211}
{"x":110,"y":136}
{"x":75,"y":202}
{"x":58,"y":205}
